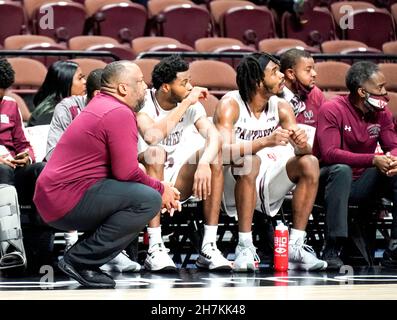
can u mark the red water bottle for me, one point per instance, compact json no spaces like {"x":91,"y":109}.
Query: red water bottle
{"x":281,"y":248}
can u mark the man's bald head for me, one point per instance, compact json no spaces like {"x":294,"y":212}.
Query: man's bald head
{"x":124,"y":81}
{"x":117,"y":72}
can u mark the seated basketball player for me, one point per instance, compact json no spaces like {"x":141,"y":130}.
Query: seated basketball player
{"x":171,"y":111}
{"x":248,"y":119}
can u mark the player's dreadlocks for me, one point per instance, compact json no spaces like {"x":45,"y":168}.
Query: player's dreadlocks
{"x":250,"y":73}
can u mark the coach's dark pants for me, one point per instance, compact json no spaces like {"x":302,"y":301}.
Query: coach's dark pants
{"x":111,"y":213}
{"x":337,"y":189}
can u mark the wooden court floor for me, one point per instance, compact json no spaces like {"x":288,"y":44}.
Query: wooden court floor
{"x":360,"y":283}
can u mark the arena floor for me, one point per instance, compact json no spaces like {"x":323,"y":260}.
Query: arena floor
{"x":360,"y":283}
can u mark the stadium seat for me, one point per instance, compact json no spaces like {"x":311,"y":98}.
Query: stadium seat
{"x":101,"y":43}
{"x":143,"y":44}
{"x":13,"y":17}
{"x":147,"y":66}
{"x":221,"y":45}
{"x":390,"y":47}
{"x":280,"y":45}
{"x":83,"y":42}
{"x":340,"y":9}
{"x":29,"y":73}
{"x":156,"y":6}
{"x":392,"y":105}
{"x":218,"y":8}
{"x":68,"y":20}
{"x":186,"y":23}
{"x":217,"y":76}
{"x":248,"y":24}
{"x":213,"y":43}
{"x":17,"y":42}
{"x":331,"y":75}
{"x":313,"y":27}
{"x":123,"y":21}
{"x":31,"y":6}
{"x":374,"y":34}
{"x":87,"y":64}
{"x":337,"y":46}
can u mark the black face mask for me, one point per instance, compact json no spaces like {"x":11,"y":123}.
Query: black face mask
{"x":302,"y":91}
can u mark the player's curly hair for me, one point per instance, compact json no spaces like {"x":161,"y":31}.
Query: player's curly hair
{"x":250,"y":73}
{"x":165,"y":71}
{"x":7,"y":74}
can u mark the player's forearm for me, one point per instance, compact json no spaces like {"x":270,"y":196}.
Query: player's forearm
{"x":162,"y":128}
{"x":213,"y":145}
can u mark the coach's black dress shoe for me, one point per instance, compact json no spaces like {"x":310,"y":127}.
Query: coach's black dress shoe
{"x":93,"y":278}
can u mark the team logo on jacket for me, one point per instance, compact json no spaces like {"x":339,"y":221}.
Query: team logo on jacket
{"x":374,"y":130}
{"x":308,"y":114}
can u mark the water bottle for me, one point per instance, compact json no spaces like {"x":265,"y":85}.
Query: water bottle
{"x":281,"y":248}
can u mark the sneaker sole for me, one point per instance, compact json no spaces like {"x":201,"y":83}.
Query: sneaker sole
{"x":119,"y":270}
{"x":165,"y":269}
{"x":207,"y":267}
{"x":71,"y":272}
{"x":298,"y":266}
{"x":247,"y":268}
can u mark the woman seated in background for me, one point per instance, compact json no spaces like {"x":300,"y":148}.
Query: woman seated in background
{"x":63,"y":79}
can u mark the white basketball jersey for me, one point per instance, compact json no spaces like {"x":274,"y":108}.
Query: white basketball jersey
{"x":180,"y":132}
{"x":248,"y":127}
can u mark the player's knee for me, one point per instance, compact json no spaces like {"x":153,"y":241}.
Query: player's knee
{"x":342,"y":170}
{"x":250,"y":168}
{"x":309,"y":167}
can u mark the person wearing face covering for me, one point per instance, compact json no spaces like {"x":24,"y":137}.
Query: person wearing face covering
{"x":349,"y":129}
{"x":300,"y":88}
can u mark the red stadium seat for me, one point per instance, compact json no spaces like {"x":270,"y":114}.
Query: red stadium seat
{"x":12,"y":19}
{"x":123,"y":21}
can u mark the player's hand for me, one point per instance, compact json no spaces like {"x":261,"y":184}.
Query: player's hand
{"x":7,"y":162}
{"x":299,"y":137}
{"x":279,"y":137}
{"x":196,"y":94}
{"x":170,"y":198}
{"x":392,"y":165}
{"x":202,"y":181}
{"x":21,"y":159}
{"x":382,"y":163}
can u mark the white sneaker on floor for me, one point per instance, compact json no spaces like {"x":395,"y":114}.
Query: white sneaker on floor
{"x":121,"y":263}
{"x":211,"y":258}
{"x":302,"y":257}
{"x":158,"y":259}
{"x":246,"y":258}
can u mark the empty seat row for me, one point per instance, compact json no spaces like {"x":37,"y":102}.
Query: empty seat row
{"x":187,"y":22}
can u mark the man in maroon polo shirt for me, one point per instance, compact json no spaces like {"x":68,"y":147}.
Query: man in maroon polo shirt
{"x":93,"y":182}
{"x":348,"y":131}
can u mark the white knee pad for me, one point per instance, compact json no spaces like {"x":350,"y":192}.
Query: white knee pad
{"x":12,"y":251}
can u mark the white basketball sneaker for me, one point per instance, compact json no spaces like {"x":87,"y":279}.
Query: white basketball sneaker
{"x":121,"y":263}
{"x":246,"y":258}
{"x":302,"y":257}
{"x":211,"y":258}
{"x":158,"y":259}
